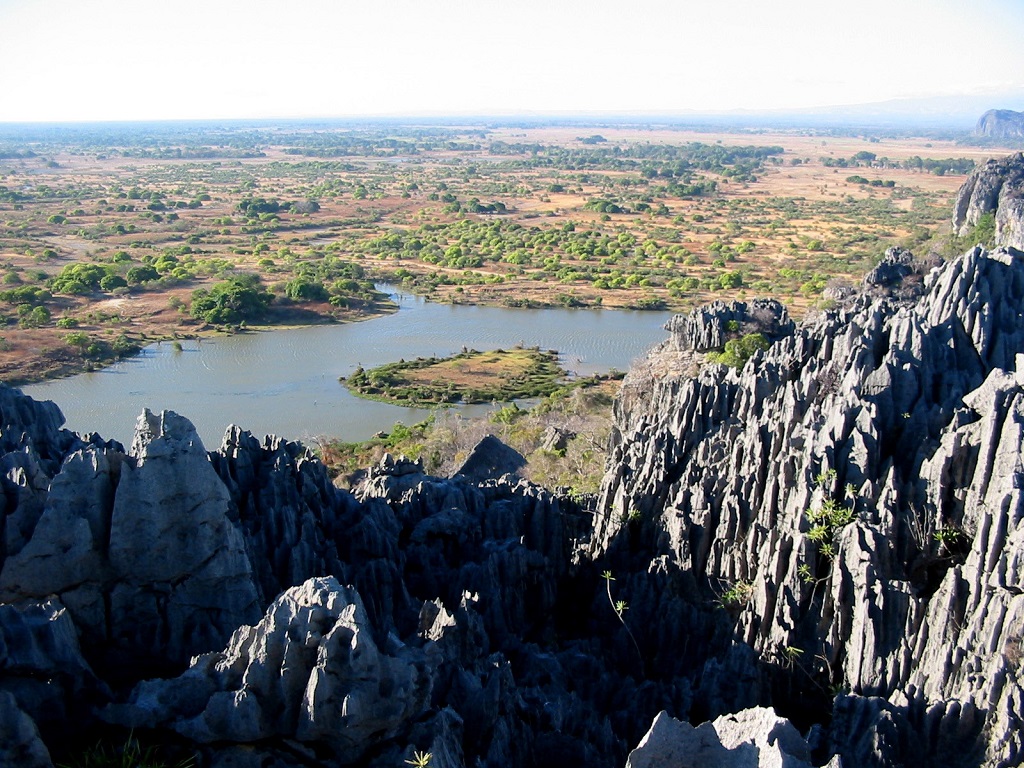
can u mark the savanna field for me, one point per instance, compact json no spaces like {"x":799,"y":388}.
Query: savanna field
{"x":111,"y":238}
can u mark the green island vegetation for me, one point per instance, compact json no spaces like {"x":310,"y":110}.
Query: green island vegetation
{"x":468,"y":377}
{"x":132,"y":233}
{"x":580,"y":412}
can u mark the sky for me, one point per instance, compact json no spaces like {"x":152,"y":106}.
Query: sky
{"x":78,"y":60}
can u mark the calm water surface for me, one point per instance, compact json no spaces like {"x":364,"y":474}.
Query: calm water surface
{"x":286,"y":382}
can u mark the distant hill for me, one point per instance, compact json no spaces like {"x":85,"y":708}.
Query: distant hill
{"x":1001,"y":124}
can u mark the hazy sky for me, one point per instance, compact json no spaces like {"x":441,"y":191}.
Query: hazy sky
{"x":142,"y":59}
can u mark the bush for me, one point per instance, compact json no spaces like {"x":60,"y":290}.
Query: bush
{"x":303,"y":290}
{"x":738,"y":351}
{"x":78,"y":339}
{"x":34,"y":317}
{"x":78,"y":279}
{"x":140,"y":275}
{"x":236,"y":299}
{"x":110,"y":282}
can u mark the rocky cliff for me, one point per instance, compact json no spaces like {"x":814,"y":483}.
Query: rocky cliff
{"x":814,"y":558}
{"x":851,"y":497}
{"x":995,"y":189}
{"x":1001,"y":124}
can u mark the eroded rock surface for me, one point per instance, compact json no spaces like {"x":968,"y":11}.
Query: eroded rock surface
{"x":310,"y":671}
{"x":753,"y":738}
{"x":852,"y":498}
{"x":139,"y":547}
{"x":995,"y":188}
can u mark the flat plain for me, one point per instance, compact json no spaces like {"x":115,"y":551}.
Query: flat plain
{"x":111,"y":237}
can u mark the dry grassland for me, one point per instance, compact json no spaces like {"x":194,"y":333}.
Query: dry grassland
{"x":396,"y":204}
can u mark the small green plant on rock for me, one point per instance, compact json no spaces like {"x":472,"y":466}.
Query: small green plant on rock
{"x":805,"y":574}
{"x":790,"y":656}
{"x":738,"y":595}
{"x":620,"y":607}
{"x":946,"y":536}
{"x":825,"y":479}
{"x":420,"y":760}
{"x":738,"y":351}
{"x":130,"y":755}
{"x":826,"y":521}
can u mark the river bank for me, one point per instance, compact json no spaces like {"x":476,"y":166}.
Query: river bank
{"x":286,"y":382}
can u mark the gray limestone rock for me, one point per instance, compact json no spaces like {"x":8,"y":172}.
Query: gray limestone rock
{"x":490,"y":459}
{"x":311,"y":670}
{"x":42,"y":666}
{"x":66,"y":551}
{"x":183,"y":580}
{"x":555,"y":439}
{"x":901,"y":420}
{"x":293,"y":518}
{"x":897,"y":264}
{"x":140,"y":548}
{"x":1001,"y":124}
{"x":752,"y":738}
{"x":709,"y":327}
{"x":27,"y":423}
{"x":995,"y":188}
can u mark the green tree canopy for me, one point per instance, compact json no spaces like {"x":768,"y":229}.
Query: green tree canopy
{"x":78,"y":279}
{"x":238,"y":298}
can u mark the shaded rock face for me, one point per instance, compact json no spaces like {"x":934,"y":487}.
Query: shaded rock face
{"x":490,"y":459}
{"x":295,"y":523}
{"x":43,"y":671}
{"x":139,"y":547}
{"x":995,"y":188}
{"x":20,"y":744}
{"x":852,"y":497}
{"x":1002,"y":124}
{"x":894,"y":268}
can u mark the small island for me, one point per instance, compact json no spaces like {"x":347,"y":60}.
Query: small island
{"x":468,"y":377}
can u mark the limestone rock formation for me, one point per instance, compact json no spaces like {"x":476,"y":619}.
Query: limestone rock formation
{"x":490,"y":459}
{"x":753,"y":738}
{"x":310,"y":671}
{"x":709,"y":327}
{"x":139,"y":547}
{"x":897,"y":264}
{"x":1001,"y":125}
{"x":175,"y":552}
{"x":43,"y":670}
{"x":556,"y":439}
{"x":20,"y":744}
{"x":995,"y":188}
{"x":293,"y":519}
{"x":852,"y":497}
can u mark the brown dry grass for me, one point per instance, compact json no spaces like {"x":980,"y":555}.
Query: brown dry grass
{"x":90,"y":186}
{"x":481,"y":371}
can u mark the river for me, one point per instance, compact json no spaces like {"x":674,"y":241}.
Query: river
{"x":285,"y":382}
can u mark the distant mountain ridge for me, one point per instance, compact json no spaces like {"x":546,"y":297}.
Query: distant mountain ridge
{"x":1001,"y":124}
